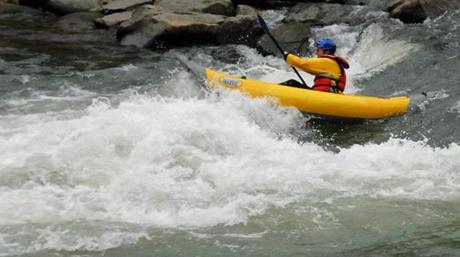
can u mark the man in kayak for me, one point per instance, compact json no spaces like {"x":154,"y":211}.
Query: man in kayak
{"x":328,"y":69}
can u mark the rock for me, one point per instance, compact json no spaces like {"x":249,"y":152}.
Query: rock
{"x":119,"y":5}
{"x":6,"y":8}
{"x":33,"y":3}
{"x":113,"y":19}
{"x":239,"y":30}
{"x":9,"y":1}
{"x":71,"y":6}
{"x":409,"y":11}
{"x":416,"y":11}
{"x":219,"y":7}
{"x":245,"y":10}
{"x":77,"y":22}
{"x":434,"y":8}
{"x":322,"y":14}
{"x":151,"y":26}
{"x":377,"y":4}
{"x":267,"y":4}
{"x":226,"y":54}
{"x":293,"y":37}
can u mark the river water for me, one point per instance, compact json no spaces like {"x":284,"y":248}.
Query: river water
{"x":116,"y":151}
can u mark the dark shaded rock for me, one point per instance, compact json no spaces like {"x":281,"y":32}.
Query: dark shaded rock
{"x":377,"y":4}
{"x":226,"y":54}
{"x":409,"y":11}
{"x":219,"y":7}
{"x":434,"y":8}
{"x":321,"y":14}
{"x":63,"y":7}
{"x":33,"y":3}
{"x":416,"y":11}
{"x":81,"y":21}
{"x":9,"y":1}
{"x":239,"y":30}
{"x":71,"y":6}
{"x":18,"y":9}
{"x":267,"y":4}
{"x":245,"y":10}
{"x":109,"y":6}
{"x":151,"y":26}
{"x":293,"y":37}
{"x":113,"y":19}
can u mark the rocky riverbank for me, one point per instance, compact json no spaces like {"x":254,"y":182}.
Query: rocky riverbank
{"x":163,"y":24}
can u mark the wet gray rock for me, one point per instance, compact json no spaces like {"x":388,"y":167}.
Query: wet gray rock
{"x":6,"y":8}
{"x":320,"y":14}
{"x":434,"y":8}
{"x":121,"y":5}
{"x":293,"y":37}
{"x":71,"y":6}
{"x":154,"y":27}
{"x":239,"y":30}
{"x":377,"y":4}
{"x":267,"y":4}
{"x":33,"y":3}
{"x":219,"y":7}
{"x":113,"y":19}
{"x":415,"y":11}
{"x":245,"y":10}
{"x":406,"y":10}
{"x":9,"y":1}
{"x":76,"y":22}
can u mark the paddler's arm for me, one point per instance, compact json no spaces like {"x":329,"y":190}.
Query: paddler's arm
{"x":313,"y":66}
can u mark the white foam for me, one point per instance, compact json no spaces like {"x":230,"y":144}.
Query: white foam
{"x":169,"y":162}
{"x":128,"y":67}
{"x":272,"y":17}
{"x":455,"y":108}
{"x":69,"y":237}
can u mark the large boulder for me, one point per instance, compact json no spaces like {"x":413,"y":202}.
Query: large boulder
{"x":14,"y":9}
{"x":113,"y":19}
{"x":293,"y":37}
{"x":245,"y":10}
{"x":434,"y":8}
{"x":9,"y":1}
{"x":219,"y":7}
{"x":269,"y":4}
{"x":409,"y":11}
{"x":32,"y":3}
{"x":77,"y":22}
{"x":415,"y":11}
{"x":109,"y":6}
{"x":377,"y":4}
{"x":70,"y":6}
{"x":154,"y":27}
{"x":323,"y":14}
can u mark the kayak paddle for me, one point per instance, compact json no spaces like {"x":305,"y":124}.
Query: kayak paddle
{"x":265,"y":28}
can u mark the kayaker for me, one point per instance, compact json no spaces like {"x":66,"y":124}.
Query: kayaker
{"x":329,"y":69}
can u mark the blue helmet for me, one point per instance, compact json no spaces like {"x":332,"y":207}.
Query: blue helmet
{"x":326,"y":44}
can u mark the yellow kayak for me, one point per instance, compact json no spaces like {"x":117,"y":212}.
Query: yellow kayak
{"x":311,"y":101}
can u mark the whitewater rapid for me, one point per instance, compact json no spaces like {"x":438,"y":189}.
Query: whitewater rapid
{"x":167,"y":162}
{"x":119,"y":157}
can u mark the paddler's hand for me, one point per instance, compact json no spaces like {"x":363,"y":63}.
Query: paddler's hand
{"x":285,"y":55}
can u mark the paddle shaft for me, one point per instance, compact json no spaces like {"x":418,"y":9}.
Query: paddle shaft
{"x":265,"y":28}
